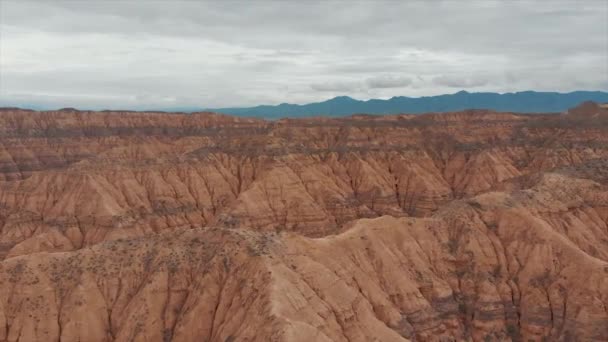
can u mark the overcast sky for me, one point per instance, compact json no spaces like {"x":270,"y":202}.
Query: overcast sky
{"x":168,"y":54}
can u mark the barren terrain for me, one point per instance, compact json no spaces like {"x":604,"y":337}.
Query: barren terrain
{"x":464,"y":226}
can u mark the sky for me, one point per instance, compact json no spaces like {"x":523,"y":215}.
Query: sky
{"x":209,"y":54}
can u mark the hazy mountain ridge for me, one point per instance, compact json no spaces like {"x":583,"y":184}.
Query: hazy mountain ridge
{"x":521,"y":102}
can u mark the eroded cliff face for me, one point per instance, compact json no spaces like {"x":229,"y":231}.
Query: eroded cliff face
{"x":155,"y":226}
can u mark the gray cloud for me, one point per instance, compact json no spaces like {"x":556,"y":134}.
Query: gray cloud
{"x":136,"y":54}
{"x":459,"y":81}
{"x":388,"y":81}
{"x":338,"y":86}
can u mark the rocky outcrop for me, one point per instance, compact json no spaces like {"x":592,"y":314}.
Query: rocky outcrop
{"x":171,"y":227}
{"x":497,"y":266}
{"x":79,"y":178}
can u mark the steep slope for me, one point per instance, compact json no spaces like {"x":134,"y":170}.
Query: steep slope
{"x":471,"y":225}
{"x":77,"y":179}
{"x":498,"y":266}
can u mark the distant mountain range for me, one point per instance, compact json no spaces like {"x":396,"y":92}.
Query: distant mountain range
{"x":522,"y":102}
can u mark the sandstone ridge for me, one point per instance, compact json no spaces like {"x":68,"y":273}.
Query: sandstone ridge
{"x":473,"y":225}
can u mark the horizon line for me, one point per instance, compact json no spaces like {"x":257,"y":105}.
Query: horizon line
{"x":195,"y":109}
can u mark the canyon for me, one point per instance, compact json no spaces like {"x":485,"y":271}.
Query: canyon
{"x":150,"y":226}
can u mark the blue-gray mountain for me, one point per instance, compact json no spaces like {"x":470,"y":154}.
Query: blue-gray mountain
{"x":521,"y":102}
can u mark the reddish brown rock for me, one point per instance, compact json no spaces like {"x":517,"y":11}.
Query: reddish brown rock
{"x":157,"y":226}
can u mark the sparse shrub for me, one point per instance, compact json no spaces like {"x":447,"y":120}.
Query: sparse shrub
{"x":496,"y":271}
{"x":453,"y":245}
{"x":167,"y":335}
{"x":474,"y":204}
{"x":513,"y":332}
{"x":462,"y":308}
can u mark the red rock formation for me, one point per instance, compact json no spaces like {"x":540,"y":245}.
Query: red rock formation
{"x":158,"y":226}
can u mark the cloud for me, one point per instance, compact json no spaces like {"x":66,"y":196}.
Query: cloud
{"x":134,"y":54}
{"x":376,"y":82}
{"x":337,"y":86}
{"x":460,"y":82}
{"x":388,"y":81}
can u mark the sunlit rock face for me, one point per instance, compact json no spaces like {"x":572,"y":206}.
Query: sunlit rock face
{"x":133,"y":226}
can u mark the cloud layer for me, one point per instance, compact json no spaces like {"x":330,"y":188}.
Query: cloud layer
{"x":170,"y":54}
